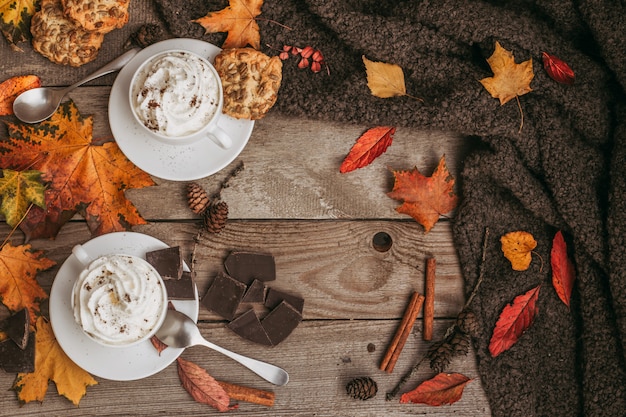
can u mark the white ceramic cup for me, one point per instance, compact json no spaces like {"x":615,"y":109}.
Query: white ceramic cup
{"x":176,"y":96}
{"x":114,"y":311}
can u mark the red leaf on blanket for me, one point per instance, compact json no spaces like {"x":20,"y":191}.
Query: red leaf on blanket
{"x":368,"y":147}
{"x":202,"y":387}
{"x":514,"y":319}
{"x":441,"y":390}
{"x":557,"y":69}
{"x":563,"y":272}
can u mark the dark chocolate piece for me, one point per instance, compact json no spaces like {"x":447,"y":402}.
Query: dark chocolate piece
{"x":14,"y":359}
{"x":224,"y":296}
{"x":168,"y":262}
{"x":255,"y":293}
{"x":248,"y":326}
{"x":274,"y":298}
{"x":246,"y":266}
{"x":17,"y":327}
{"x":181,"y":289}
{"x":280,"y":322}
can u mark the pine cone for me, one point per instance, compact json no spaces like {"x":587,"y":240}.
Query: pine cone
{"x":467,"y":322}
{"x":146,"y":35}
{"x":215,"y":217}
{"x":362,"y":388}
{"x":441,"y":353}
{"x":197,"y":198}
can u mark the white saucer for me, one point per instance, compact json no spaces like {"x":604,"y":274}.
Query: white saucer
{"x":170,"y":162}
{"x":120,"y":364}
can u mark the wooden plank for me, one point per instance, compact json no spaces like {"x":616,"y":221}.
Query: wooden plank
{"x":319,"y":356}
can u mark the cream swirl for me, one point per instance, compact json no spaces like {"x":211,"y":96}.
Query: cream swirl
{"x":175,"y":94}
{"x":119,"y":299}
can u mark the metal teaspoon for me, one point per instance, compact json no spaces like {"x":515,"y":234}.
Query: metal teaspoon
{"x":37,"y":104}
{"x":180,"y":331}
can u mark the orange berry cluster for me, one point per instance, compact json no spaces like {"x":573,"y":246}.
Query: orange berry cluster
{"x":309,"y":57}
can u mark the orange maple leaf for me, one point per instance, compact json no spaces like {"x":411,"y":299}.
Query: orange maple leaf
{"x":18,"y":287}
{"x":509,"y":79}
{"x":13,"y":87}
{"x":83,"y":175}
{"x":425,"y":198}
{"x":517,"y":248}
{"x":239,"y":20}
{"x":51,"y":364}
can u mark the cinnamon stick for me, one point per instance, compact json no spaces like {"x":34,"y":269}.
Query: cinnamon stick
{"x":429,"y":301}
{"x":247,"y":394}
{"x":402,"y":333}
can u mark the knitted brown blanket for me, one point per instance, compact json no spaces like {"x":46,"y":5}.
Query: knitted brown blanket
{"x":565,"y":170}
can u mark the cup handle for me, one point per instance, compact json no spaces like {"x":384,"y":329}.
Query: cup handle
{"x":220,"y":137}
{"x":81,"y":254}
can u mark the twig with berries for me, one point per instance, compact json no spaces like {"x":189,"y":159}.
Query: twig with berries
{"x":309,"y":57}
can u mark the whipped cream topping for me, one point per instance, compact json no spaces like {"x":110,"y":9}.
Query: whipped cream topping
{"x":175,"y":94}
{"x":118,"y":299}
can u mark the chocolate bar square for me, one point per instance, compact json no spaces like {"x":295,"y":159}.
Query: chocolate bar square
{"x":168,"y":262}
{"x":247,"y":266}
{"x":15,"y":359}
{"x":274,"y":297}
{"x":255,"y":292}
{"x":280,"y":322}
{"x":181,"y":289}
{"x":248,"y":326}
{"x":224,"y":295}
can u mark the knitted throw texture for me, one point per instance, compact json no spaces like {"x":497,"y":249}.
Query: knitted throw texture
{"x":565,"y":170}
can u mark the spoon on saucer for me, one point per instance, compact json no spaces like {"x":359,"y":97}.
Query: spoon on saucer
{"x":179,"y":331}
{"x":37,"y":104}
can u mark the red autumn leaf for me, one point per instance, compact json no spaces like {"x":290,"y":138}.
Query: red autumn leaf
{"x":425,"y":198}
{"x":557,"y":69}
{"x":202,"y":386}
{"x":563,"y":273}
{"x":441,"y":390}
{"x":514,"y":319}
{"x":368,"y":147}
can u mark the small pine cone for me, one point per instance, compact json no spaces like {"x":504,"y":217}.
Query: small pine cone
{"x":146,"y":35}
{"x":467,"y":322}
{"x":440,"y":355}
{"x":460,"y":343}
{"x":215,"y":217}
{"x":197,"y":198}
{"x":362,"y":388}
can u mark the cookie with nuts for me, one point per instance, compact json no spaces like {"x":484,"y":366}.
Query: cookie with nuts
{"x":60,"y":39}
{"x":97,"y":15}
{"x":251,"y":81}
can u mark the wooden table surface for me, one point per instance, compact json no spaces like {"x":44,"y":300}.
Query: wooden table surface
{"x":291,"y":201}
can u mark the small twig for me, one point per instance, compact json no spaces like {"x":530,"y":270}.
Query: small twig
{"x":521,"y":112}
{"x":226,"y":182}
{"x":413,"y":97}
{"x":274,"y":22}
{"x":16,"y":226}
{"x":481,"y":270}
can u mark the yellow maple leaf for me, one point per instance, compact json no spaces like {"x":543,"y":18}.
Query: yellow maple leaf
{"x":239,"y":20}
{"x":384,"y":80}
{"x":509,"y":79}
{"x":15,"y":16}
{"x":52,"y":364}
{"x":517,"y":248}
{"x":18,"y":190}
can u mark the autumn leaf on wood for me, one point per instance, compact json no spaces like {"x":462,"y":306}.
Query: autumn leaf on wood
{"x":368,"y":147}
{"x":239,"y":20}
{"x":15,"y":16}
{"x":425,"y":198}
{"x":13,"y":87}
{"x":510,"y":80}
{"x":18,"y":190}
{"x":563,"y":272}
{"x":517,"y":248}
{"x":83,"y":175}
{"x":52,"y":364}
{"x":442,"y":389}
{"x":18,"y":285}
{"x":514,"y":319}
{"x":557,"y":69}
{"x":202,"y":386}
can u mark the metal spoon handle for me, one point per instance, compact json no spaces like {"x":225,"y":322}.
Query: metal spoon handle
{"x":116,"y":64}
{"x":269,"y":372}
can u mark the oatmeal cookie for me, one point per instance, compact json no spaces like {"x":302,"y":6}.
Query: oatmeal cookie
{"x":60,"y":39}
{"x":97,"y":15}
{"x":250,"y":80}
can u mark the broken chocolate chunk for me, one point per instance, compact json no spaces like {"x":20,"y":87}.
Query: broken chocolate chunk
{"x":168,"y":262}
{"x":275,"y":297}
{"x":247,"y":266}
{"x":17,"y":327}
{"x":280,"y":322}
{"x":255,"y":293}
{"x":181,"y":289}
{"x":224,"y":295}
{"x":248,"y":326}
{"x":15,"y":359}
